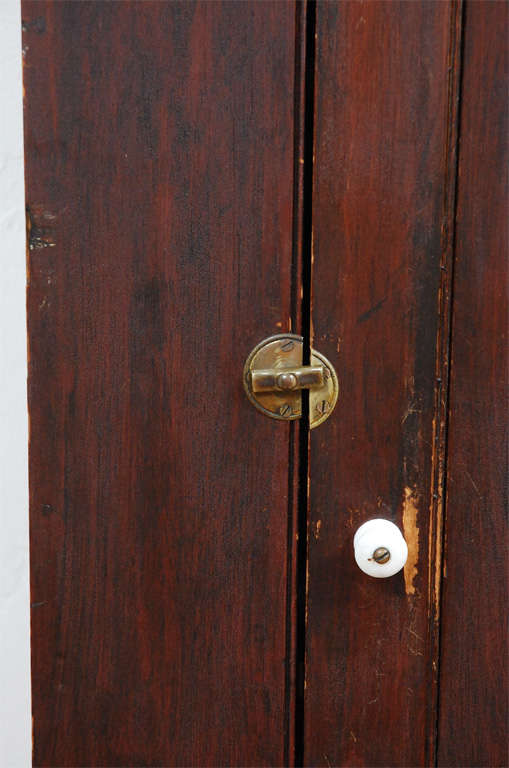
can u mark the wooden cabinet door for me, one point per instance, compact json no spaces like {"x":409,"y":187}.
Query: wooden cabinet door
{"x":159,"y":180}
{"x":410,"y":297}
{"x":199,"y":176}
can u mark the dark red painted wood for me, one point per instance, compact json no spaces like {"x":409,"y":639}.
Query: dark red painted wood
{"x":165,"y":188}
{"x":385,"y":79}
{"x":473,"y":668}
{"x":159,"y":169}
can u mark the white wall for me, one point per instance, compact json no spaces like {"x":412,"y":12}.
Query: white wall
{"x":15,"y":717}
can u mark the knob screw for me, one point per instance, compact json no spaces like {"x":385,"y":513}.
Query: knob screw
{"x":381,"y":555}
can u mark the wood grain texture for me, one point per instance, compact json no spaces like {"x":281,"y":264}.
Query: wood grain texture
{"x":159,"y":172}
{"x":473,"y":669}
{"x":381,"y":199}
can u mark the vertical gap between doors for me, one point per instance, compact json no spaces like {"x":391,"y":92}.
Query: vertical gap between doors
{"x":303,"y":448}
{"x":444,"y":347}
{"x":295,"y":427}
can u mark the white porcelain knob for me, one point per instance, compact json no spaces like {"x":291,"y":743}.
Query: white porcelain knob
{"x":380,"y":549}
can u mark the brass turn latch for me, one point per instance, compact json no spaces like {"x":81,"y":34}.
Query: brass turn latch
{"x":274,"y":377}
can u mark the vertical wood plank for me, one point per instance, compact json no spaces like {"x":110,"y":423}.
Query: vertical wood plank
{"x":381,"y":186}
{"x":159,"y":176}
{"x":473,"y":668}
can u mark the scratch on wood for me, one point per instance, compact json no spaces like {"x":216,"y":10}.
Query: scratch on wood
{"x":411,"y":532}
{"x":415,"y":634}
{"x":410,"y":410}
{"x":473,"y":484}
{"x":371,"y":311}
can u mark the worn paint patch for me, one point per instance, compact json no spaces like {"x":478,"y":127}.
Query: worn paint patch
{"x":411,"y":533}
{"x":40,"y":224}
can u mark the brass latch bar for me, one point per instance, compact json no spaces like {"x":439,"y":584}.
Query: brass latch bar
{"x":288,"y":379}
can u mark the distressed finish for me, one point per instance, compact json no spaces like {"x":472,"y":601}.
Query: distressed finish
{"x":383,"y":144}
{"x":159,"y":171}
{"x":197,"y":173}
{"x":473,"y":669}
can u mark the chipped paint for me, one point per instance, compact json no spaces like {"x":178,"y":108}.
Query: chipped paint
{"x":39,"y":227}
{"x":411,"y":533}
{"x":317,"y":528}
{"x":438,"y":561}
{"x":436,"y":509}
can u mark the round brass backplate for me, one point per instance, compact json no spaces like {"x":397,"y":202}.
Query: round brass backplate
{"x":280,"y":358}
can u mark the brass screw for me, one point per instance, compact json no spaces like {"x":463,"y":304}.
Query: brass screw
{"x":285,"y":410}
{"x":286,"y":346}
{"x":381,"y":555}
